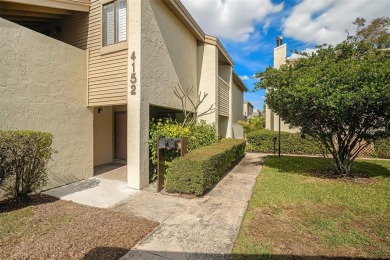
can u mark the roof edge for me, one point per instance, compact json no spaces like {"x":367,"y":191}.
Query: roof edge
{"x":249,"y":103}
{"x":283,"y":45}
{"x":215,"y":41}
{"x":186,"y":18}
{"x":71,"y":5}
{"x":241,"y":84}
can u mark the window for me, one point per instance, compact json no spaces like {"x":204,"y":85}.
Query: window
{"x":114,"y":22}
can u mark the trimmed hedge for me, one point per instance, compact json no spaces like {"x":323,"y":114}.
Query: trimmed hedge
{"x":199,"y":135}
{"x":382,"y":148}
{"x":291,"y":143}
{"x":199,"y":170}
{"x":23,"y":160}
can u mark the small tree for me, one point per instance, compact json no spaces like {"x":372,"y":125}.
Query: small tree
{"x":191,"y":116}
{"x":339,"y":95}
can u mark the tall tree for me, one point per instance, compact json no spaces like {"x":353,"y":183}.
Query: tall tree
{"x":376,"y":33}
{"x":339,"y":95}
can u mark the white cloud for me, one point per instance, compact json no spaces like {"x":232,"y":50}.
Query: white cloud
{"x":230,"y":19}
{"x":325,"y":21}
{"x":244,"y":77}
{"x":266,"y":26}
{"x":309,"y":50}
{"x":297,"y":56}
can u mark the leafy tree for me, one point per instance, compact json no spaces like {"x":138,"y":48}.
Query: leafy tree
{"x":253,"y":124}
{"x":375,"y":33}
{"x":339,"y":95}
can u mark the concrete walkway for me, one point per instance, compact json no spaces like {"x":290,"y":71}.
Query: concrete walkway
{"x":199,"y":228}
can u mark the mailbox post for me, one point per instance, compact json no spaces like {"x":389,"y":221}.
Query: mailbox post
{"x":167,"y":144}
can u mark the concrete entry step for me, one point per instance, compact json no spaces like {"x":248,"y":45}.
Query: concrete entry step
{"x":112,"y":171}
{"x":95,"y":191}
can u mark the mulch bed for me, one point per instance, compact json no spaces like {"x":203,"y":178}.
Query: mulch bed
{"x":45,"y":228}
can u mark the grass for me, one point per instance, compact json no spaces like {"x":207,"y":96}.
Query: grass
{"x":294,"y":211}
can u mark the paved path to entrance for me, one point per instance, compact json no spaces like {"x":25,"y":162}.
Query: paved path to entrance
{"x":199,"y":228}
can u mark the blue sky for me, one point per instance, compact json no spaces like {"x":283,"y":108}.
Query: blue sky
{"x":248,"y":28}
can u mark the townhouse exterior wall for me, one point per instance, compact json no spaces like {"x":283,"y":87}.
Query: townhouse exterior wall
{"x":48,"y":97}
{"x":107,"y":66}
{"x":208,"y":81}
{"x":168,"y":55}
{"x":237,"y":101}
{"x":162,"y":50}
{"x":248,"y":109}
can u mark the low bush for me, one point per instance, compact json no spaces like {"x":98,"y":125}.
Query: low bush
{"x":253,"y":124}
{"x":291,"y":143}
{"x":382,"y":148}
{"x":23,"y":161}
{"x":199,"y":135}
{"x":199,"y":170}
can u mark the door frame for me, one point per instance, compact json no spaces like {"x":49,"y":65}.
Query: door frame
{"x":116,"y":113}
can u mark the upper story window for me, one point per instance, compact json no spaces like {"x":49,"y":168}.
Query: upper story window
{"x":114,"y":22}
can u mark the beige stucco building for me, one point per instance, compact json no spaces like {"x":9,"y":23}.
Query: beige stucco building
{"x":248,"y":109}
{"x":272,"y":119}
{"x":94,"y":73}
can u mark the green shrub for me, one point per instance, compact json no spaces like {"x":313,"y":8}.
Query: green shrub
{"x":253,"y":124}
{"x":291,"y":143}
{"x":199,"y":135}
{"x":23,"y":159}
{"x":199,"y":170}
{"x":382,"y":148}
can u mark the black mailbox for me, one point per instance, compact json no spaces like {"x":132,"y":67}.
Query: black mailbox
{"x":172,"y":144}
{"x":168,"y":143}
{"x":162,"y":143}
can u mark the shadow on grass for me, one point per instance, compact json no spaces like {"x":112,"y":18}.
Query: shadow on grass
{"x":102,"y":253}
{"x":9,"y":205}
{"x":315,"y":166}
{"x":370,"y":168}
{"x":99,"y":253}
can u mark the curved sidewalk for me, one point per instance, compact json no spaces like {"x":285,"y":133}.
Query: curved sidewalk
{"x":199,"y":228}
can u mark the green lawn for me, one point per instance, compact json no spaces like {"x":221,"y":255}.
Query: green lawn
{"x":293,"y":212}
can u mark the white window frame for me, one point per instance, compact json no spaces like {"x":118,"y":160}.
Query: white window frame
{"x":116,"y":23}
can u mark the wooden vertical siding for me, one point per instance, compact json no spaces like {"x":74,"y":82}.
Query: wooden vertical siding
{"x":107,"y":74}
{"x":223,"y":97}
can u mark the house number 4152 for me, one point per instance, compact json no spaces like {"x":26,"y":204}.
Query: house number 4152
{"x":133,"y":78}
